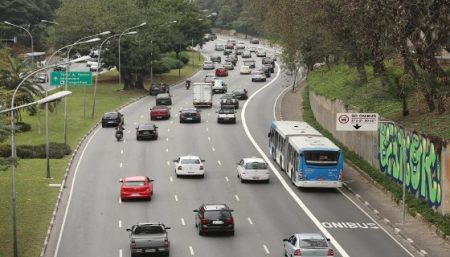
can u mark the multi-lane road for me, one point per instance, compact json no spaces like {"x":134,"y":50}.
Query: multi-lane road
{"x":93,"y":220}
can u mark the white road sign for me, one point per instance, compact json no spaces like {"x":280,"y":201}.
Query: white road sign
{"x":357,"y":122}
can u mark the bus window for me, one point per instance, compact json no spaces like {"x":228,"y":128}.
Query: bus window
{"x":321,"y":158}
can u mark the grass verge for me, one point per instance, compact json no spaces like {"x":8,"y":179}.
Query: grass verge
{"x":35,"y":199}
{"x":414,"y":205}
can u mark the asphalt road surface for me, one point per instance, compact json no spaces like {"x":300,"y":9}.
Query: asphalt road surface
{"x":95,"y":220}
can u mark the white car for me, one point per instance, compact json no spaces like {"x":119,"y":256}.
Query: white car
{"x":189,"y":165}
{"x":245,"y":69}
{"x":209,"y":78}
{"x":253,"y":168}
{"x":226,"y":115}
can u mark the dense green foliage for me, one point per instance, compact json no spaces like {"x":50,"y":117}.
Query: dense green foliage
{"x":56,"y":151}
{"x":414,"y":204}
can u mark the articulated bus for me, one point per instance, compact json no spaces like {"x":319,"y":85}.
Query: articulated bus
{"x":308,"y":158}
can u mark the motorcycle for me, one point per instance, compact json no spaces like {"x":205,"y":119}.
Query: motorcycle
{"x":119,"y":134}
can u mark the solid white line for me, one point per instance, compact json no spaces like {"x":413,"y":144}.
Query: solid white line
{"x":218,"y":161}
{"x":191,"y":250}
{"x":70,"y":194}
{"x":120,"y":223}
{"x":226,"y":178}
{"x":176,"y":198}
{"x":250,"y":221}
{"x":266,"y":249}
{"x":370,"y":217}
{"x":276,"y":101}
{"x":171,"y":179}
{"x":237,"y":197}
{"x":120,"y":252}
{"x":182,"y":222}
{"x":279,"y":176}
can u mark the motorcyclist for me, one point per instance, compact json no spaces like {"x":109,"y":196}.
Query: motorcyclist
{"x":119,"y":131}
{"x":188,"y":84}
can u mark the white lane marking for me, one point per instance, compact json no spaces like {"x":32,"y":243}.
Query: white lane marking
{"x":128,"y":131}
{"x":120,"y":223}
{"x":176,"y":198}
{"x":276,"y":101}
{"x":250,"y":221}
{"x":226,"y":178}
{"x":209,"y":139}
{"x":370,"y":217}
{"x":207,"y":121}
{"x":142,"y":116}
{"x":168,"y":163}
{"x":120,"y":252}
{"x":213,"y":149}
{"x":124,"y":140}
{"x":218,"y":161}
{"x":171,"y":179}
{"x":167,"y":139}
{"x":121,"y":165}
{"x":280,"y":178}
{"x":71,"y":193}
{"x":120,"y":200}
{"x":171,"y":122}
{"x":266,"y":249}
{"x":182,"y":222}
{"x":237,"y":197}
{"x":168,"y":130}
{"x":167,"y":150}
{"x":121,"y":151}
{"x":207,"y":129}
{"x":135,"y":123}
{"x":209,"y":114}
{"x":191,"y":250}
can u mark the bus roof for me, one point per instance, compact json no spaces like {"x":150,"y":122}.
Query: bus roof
{"x":309,"y":143}
{"x":291,"y":128}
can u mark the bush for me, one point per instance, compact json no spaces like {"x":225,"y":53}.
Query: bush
{"x":171,"y":62}
{"x":23,"y":127}
{"x":184,"y":57}
{"x":56,"y":151}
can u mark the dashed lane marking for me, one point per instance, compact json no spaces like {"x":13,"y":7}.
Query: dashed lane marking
{"x":120,"y":223}
{"x":250,"y":221}
{"x":226,"y":178}
{"x":191,"y":250}
{"x":171,"y":179}
{"x":182,"y":222}
{"x":266,"y":249}
{"x":176,"y":198}
{"x":121,"y":165}
{"x":213,"y":149}
{"x":218,"y":161}
{"x":121,"y":151}
{"x":237,"y":197}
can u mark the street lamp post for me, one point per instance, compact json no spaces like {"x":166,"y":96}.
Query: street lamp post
{"x":99,"y":61}
{"x":47,"y":147}
{"x":32,"y":45}
{"x":120,"y":36}
{"x":14,"y":156}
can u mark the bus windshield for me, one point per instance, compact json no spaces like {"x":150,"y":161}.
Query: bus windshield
{"x":321,"y":158}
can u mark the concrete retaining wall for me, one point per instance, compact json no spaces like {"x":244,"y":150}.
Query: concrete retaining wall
{"x":391,"y":148}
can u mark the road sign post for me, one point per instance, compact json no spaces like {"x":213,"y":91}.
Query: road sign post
{"x":58,"y":78}
{"x":357,"y":122}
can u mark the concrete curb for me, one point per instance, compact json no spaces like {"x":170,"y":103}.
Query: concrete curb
{"x":69,"y":166}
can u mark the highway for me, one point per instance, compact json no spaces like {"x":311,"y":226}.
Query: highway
{"x":95,"y":220}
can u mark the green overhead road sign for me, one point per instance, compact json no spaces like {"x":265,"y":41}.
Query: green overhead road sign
{"x":58,"y":78}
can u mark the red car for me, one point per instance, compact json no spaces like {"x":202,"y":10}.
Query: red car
{"x":138,"y":187}
{"x":221,"y":72}
{"x":160,"y":112}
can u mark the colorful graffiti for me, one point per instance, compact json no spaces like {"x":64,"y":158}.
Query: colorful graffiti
{"x":399,"y":148}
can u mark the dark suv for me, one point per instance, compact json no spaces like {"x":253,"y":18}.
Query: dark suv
{"x":146,"y":131}
{"x":214,"y":218}
{"x":163,"y":99}
{"x":159,"y":89}
{"x":112,"y":119}
{"x":229,"y":100}
{"x":190,"y":115}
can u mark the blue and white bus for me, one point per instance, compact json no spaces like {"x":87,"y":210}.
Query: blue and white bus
{"x":308,"y":158}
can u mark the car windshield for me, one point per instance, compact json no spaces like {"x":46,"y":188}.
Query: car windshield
{"x":146,"y":127}
{"x":226,"y":111}
{"x":207,"y":62}
{"x":134,"y":183}
{"x":215,"y":215}
{"x":313,"y":243}
{"x":149,"y":229}
{"x":110,"y":115}
{"x":256,"y":166}
{"x":190,"y":161}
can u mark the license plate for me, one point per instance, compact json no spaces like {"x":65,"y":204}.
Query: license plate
{"x":226,"y":118}
{"x":255,"y":177}
{"x":217,"y":222}
{"x":150,"y":250}
{"x":188,"y":118}
{"x":135,"y":194}
{"x":146,"y":132}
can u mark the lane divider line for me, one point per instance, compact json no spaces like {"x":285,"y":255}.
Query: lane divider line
{"x":237,"y":197}
{"x":226,"y":178}
{"x":120,"y":223}
{"x":250,"y":221}
{"x":182,"y":222}
{"x":191,"y":250}
{"x":218,"y":161}
{"x":266,"y":249}
{"x":176,"y":198}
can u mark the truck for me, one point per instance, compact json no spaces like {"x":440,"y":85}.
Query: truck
{"x":202,"y":94}
{"x":149,"y":238}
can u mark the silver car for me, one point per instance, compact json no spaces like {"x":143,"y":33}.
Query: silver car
{"x":307,"y":245}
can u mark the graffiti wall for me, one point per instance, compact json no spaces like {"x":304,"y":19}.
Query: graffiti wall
{"x":399,"y":148}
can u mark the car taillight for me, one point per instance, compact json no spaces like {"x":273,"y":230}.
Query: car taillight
{"x":204,"y":221}
{"x":133,"y":243}
{"x":180,"y":167}
{"x":229,"y":220}
{"x":166,"y":242}
{"x":201,"y":167}
{"x":330,"y":253}
{"x":297,"y":252}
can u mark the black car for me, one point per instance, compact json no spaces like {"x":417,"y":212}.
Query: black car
{"x":268,"y":60}
{"x":232,"y":58}
{"x":227,"y":51}
{"x":146,"y":131}
{"x":266,"y":71}
{"x":254,"y":41}
{"x":270,"y":67}
{"x":112,"y":119}
{"x":163,"y":99}
{"x":229,"y":100}
{"x":214,"y":218}
{"x":159,"y":89}
{"x":190,"y":115}
{"x":240,"y":93}
{"x":215,"y":58}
